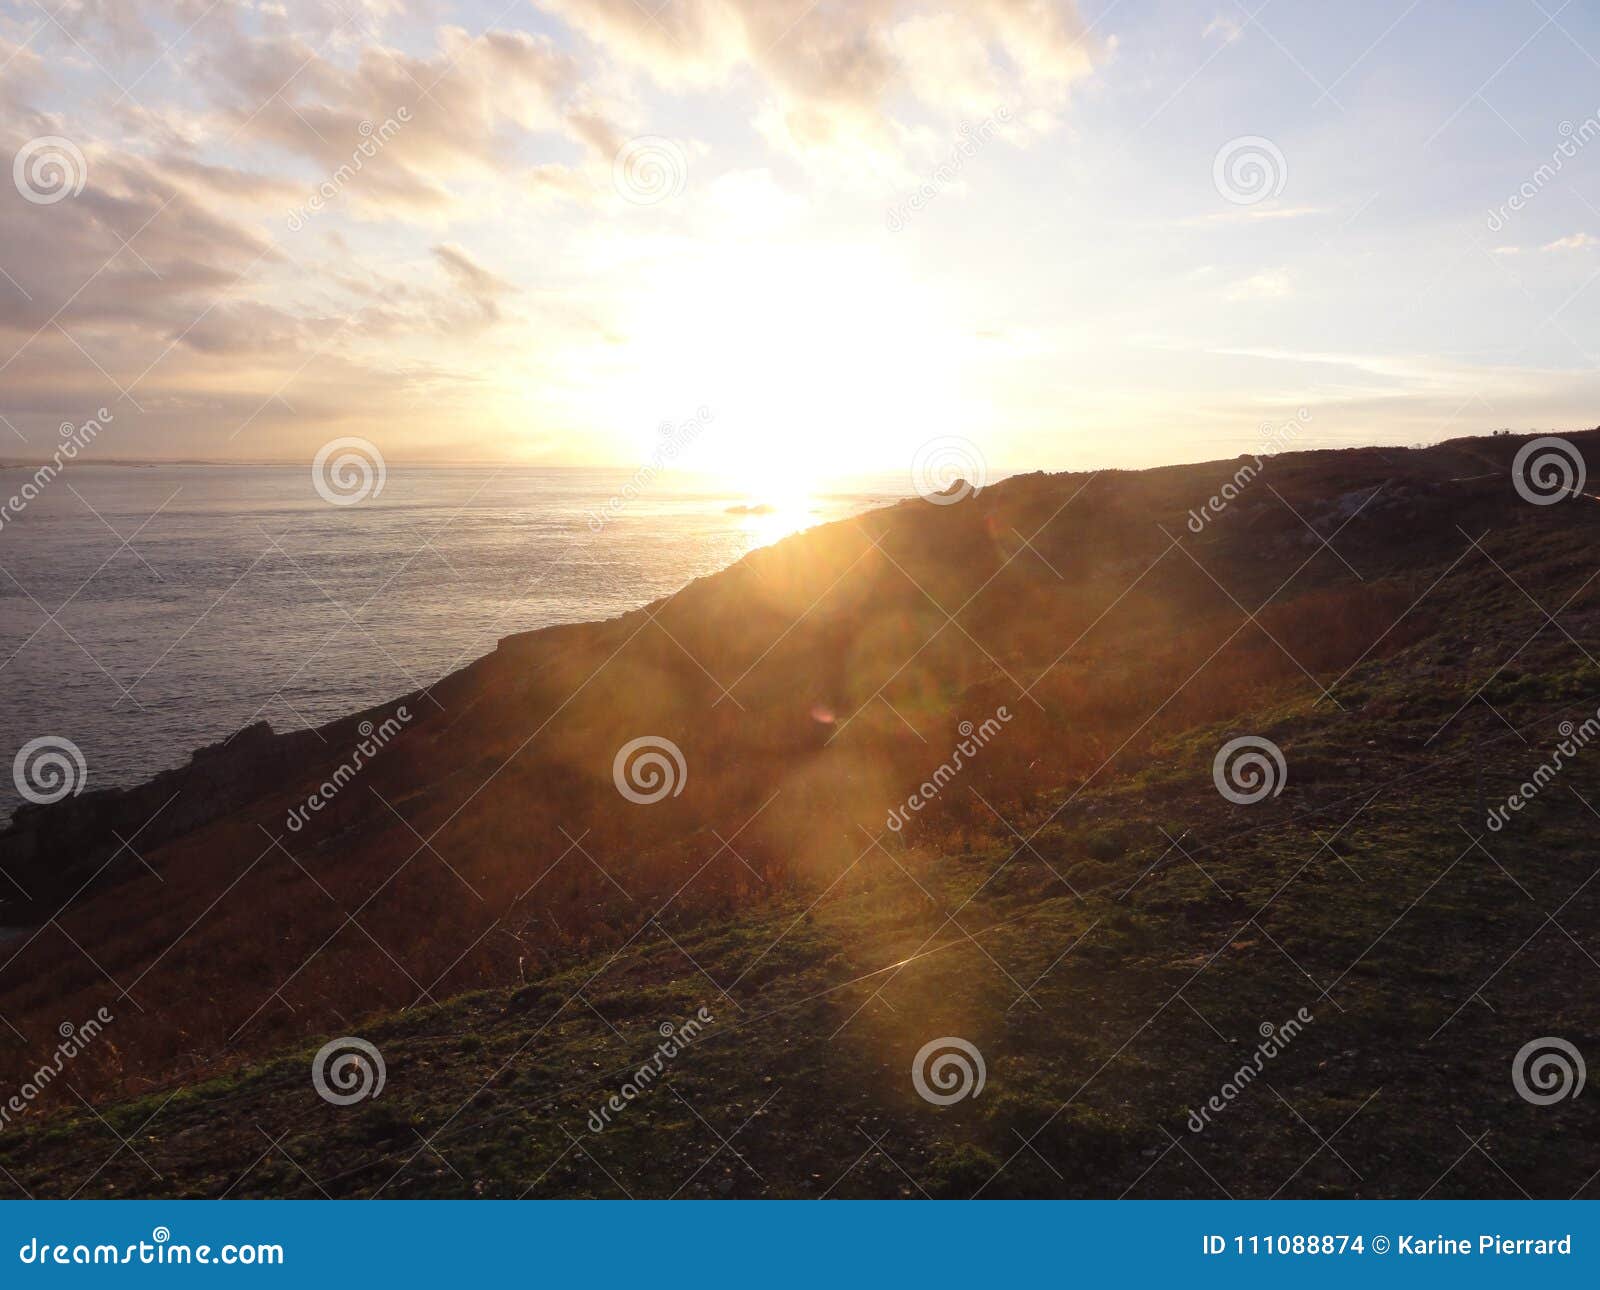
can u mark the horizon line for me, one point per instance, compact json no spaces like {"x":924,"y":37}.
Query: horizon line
{"x":18,"y":463}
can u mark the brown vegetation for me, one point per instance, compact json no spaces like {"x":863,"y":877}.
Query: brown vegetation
{"x":810,"y":688}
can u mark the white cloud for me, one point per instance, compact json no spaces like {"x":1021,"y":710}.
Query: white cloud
{"x":1248,"y":215}
{"x":845,"y":81}
{"x":1271,"y":285}
{"x":1572,"y":242}
{"x":1225,"y":25}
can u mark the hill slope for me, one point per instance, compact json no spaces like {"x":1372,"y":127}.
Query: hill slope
{"x":1077,"y":899}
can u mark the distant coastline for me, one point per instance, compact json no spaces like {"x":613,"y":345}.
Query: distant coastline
{"x":27,"y":463}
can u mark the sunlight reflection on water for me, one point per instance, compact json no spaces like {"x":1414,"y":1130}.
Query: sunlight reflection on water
{"x":246,"y":596}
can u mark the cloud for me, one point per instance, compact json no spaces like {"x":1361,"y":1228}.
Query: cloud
{"x":461,"y":112}
{"x":1225,"y":25}
{"x":440,"y":279}
{"x":24,"y":73}
{"x":1248,"y":215}
{"x":1390,"y":367}
{"x":133,"y":247}
{"x":173,"y":281}
{"x":850,"y":79}
{"x":1572,"y":242}
{"x":1271,"y":285}
{"x":474,"y":281}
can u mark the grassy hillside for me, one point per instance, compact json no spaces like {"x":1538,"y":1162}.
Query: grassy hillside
{"x":1078,"y":901}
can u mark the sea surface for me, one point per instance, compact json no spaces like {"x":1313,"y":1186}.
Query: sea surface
{"x":146,"y":611}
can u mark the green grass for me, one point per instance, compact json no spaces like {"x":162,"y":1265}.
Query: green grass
{"x":1113,"y":948}
{"x":1143,"y":992}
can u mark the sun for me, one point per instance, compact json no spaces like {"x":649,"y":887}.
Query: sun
{"x":816,"y":362}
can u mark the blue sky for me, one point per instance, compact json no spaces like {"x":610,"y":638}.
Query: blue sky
{"x":871,"y":224}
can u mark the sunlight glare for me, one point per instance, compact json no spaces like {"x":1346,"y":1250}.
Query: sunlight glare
{"x":817,"y":362}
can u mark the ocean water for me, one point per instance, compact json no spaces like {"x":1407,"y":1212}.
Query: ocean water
{"x":148,"y":610}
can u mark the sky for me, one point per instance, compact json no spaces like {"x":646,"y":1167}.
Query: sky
{"x":1105,"y":233}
